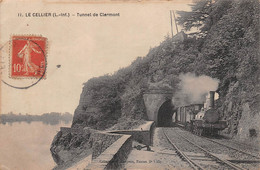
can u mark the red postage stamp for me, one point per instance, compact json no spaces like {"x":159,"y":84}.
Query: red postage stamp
{"x":28,"y":58}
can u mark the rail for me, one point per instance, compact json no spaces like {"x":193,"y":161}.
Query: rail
{"x":192,"y":163}
{"x":230,"y":147}
{"x":182,"y":154}
{"x":239,"y":150}
{"x":231,"y":165}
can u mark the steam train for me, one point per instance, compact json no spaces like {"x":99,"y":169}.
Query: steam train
{"x":201,"y":119}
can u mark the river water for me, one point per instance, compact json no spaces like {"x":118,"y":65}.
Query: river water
{"x":26,"y":146}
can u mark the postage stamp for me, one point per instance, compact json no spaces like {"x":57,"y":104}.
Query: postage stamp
{"x":28,"y":57}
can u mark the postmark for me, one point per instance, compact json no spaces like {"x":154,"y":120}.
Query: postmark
{"x":24,"y":61}
{"x":28,"y":57}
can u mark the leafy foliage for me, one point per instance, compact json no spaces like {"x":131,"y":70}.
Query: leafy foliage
{"x":204,"y":15}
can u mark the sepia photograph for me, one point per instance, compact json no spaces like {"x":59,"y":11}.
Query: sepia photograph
{"x":138,"y":85}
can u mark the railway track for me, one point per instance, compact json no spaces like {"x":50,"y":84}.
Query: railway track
{"x":183,"y":155}
{"x":198,"y":161}
{"x":233,"y":148}
{"x":230,"y":147}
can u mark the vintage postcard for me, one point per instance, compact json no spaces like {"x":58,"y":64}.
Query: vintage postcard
{"x":143,"y":84}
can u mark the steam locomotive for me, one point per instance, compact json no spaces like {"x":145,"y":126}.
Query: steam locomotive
{"x":201,"y":119}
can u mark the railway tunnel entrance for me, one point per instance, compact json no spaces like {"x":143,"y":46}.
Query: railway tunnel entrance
{"x":158,"y":106}
{"x":165,"y":113}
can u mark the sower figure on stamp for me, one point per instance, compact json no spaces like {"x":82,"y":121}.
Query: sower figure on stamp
{"x":25,"y":53}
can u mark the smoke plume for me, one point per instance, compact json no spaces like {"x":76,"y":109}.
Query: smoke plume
{"x":193,"y":89}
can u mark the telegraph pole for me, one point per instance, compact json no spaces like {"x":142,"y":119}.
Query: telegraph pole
{"x":175,"y":21}
{"x":172,"y":12}
{"x":171,"y":21}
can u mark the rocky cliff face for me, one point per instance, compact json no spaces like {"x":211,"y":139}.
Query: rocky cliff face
{"x":71,"y":144}
{"x":241,"y":108}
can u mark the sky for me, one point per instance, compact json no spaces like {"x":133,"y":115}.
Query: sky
{"x":85,"y":47}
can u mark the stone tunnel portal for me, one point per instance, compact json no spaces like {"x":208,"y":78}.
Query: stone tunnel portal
{"x":165,"y":113}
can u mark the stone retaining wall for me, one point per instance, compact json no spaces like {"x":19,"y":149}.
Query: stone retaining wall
{"x":111,"y":148}
{"x":143,"y":137}
{"x":101,"y":141}
{"x":114,"y":156}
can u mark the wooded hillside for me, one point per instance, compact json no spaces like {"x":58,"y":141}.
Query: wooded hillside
{"x":224,"y":45}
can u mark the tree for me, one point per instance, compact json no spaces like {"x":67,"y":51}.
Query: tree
{"x":203,"y":15}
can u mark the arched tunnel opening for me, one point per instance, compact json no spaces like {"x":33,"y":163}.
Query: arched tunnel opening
{"x":164,"y":118}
